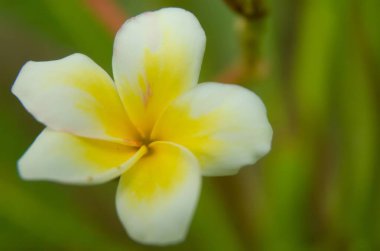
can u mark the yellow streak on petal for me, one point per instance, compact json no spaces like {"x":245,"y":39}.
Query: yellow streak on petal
{"x":102,"y":101}
{"x":157,"y":173}
{"x":166,"y":76}
{"x":103,"y":153}
{"x":195,"y":132}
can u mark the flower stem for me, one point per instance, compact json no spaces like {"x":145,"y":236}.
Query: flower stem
{"x":251,"y":34}
{"x":250,"y":26}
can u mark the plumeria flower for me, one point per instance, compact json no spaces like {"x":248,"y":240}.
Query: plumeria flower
{"x":152,"y":126}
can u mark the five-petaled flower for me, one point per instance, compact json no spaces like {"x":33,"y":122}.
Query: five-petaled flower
{"x":153,"y":125}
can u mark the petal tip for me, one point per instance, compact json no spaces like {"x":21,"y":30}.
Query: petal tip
{"x":15,"y":89}
{"x":153,"y":240}
{"x":23,"y":171}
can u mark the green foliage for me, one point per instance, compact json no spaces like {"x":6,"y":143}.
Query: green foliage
{"x":317,"y":190}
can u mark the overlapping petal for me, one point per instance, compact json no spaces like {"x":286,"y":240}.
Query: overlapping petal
{"x":74,"y":95}
{"x":157,"y":56}
{"x":157,"y":196}
{"x":66,"y":158}
{"x":225,"y":126}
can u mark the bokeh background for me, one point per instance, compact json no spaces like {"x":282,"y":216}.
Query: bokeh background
{"x":316,"y":65}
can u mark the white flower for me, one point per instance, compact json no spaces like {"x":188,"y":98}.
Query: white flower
{"x":153,"y":125}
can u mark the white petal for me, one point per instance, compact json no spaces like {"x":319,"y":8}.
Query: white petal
{"x":74,"y":95}
{"x":156,"y":198}
{"x":157,"y":56}
{"x":225,"y":126}
{"x":65,"y":158}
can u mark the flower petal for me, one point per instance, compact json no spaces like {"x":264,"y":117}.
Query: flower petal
{"x":74,"y":95}
{"x":157,"y":56}
{"x":225,"y":126}
{"x":66,"y":158}
{"x":156,"y":198}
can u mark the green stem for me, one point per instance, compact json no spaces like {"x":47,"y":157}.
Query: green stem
{"x":251,"y":35}
{"x":252,"y":15}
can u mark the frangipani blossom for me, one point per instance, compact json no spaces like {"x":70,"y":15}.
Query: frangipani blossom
{"x":152,"y":126}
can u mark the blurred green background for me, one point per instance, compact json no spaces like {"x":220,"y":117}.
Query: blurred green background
{"x":317,"y":68}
